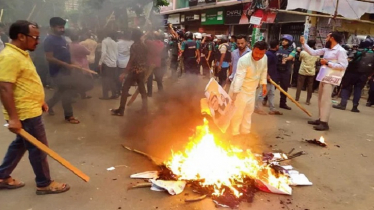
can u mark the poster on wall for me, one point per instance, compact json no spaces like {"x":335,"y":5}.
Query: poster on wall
{"x":212,"y":17}
{"x":194,"y":3}
{"x":242,"y":13}
{"x":192,"y":17}
{"x":174,"y":19}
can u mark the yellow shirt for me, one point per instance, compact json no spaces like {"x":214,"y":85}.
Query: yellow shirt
{"x":17,"y":67}
{"x":308,"y":64}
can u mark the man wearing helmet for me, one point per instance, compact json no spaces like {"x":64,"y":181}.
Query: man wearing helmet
{"x":190,"y":50}
{"x":360,"y":67}
{"x":285,"y":55}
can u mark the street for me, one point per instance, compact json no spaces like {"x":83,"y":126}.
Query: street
{"x":341,"y":173}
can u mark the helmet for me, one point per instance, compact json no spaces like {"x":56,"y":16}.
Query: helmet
{"x":188,"y":35}
{"x":224,"y":38}
{"x":198,"y":35}
{"x":288,"y":37}
{"x":180,"y":33}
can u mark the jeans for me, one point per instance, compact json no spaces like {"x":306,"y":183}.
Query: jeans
{"x":130,"y":79}
{"x":66,"y":86}
{"x":284,"y":79}
{"x":270,"y":97}
{"x":355,"y":82}
{"x":300,"y":83}
{"x":110,"y":78}
{"x":38,"y":159}
{"x":158,"y":73}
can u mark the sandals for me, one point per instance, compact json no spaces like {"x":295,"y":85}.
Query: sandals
{"x":275,"y":113}
{"x":11,"y":184}
{"x":116,"y":112}
{"x":72,"y":120}
{"x":260,"y":112}
{"x":53,"y":188}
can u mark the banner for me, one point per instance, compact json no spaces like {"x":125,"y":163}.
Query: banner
{"x":212,"y":17}
{"x":238,"y":14}
{"x":190,"y":17}
{"x":194,"y":3}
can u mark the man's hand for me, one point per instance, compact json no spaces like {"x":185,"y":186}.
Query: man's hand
{"x":14,"y":126}
{"x":264,"y":90}
{"x":269,"y":78}
{"x":302,"y":39}
{"x":100,"y":67}
{"x":198,"y":60}
{"x":45,"y":107}
{"x":219,"y":68}
{"x":323,"y":61}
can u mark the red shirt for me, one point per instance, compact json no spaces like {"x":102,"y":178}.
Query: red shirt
{"x":154,"y":48}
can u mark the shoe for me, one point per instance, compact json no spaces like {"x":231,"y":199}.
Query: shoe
{"x":264,"y":102}
{"x":117,"y":112}
{"x":104,"y":98}
{"x":354,"y":109}
{"x":284,"y":106}
{"x":260,"y":112}
{"x":314,"y":122}
{"x":307,"y":103}
{"x":368,"y":104}
{"x":339,"y":106}
{"x":323,"y":126}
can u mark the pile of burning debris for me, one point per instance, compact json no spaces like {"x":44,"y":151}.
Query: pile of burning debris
{"x":226,"y":174}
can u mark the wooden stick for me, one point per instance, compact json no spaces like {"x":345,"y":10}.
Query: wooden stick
{"x":1,"y":14}
{"x":195,"y":199}
{"x":108,"y":20}
{"x":319,"y":15}
{"x":154,"y":160}
{"x":288,"y":96}
{"x":86,"y":70}
{"x":53,"y":154}
{"x":32,"y":12}
{"x":140,"y":185}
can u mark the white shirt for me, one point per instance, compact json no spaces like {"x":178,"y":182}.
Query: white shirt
{"x":123,"y":53}
{"x":109,"y":53}
{"x":250,"y":74}
{"x":337,"y":56}
{"x":1,"y":45}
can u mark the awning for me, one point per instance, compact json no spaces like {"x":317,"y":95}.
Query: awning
{"x":351,"y":9}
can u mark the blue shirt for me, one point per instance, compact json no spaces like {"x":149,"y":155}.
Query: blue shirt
{"x":235,"y":55}
{"x":60,"y":49}
{"x":272,"y":64}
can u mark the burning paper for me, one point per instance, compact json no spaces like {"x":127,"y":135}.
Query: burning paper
{"x":173,"y":187}
{"x":218,"y":105}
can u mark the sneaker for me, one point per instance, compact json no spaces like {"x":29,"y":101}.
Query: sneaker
{"x":323,"y":126}
{"x":339,"y":106}
{"x":284,"y":106}
{"x":314,"y":122}
{"x":354,"y":109}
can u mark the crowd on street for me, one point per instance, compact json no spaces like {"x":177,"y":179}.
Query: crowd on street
{"x":69,"y":61}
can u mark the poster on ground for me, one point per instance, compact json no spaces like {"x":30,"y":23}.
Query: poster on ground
{"x":218,"y":104}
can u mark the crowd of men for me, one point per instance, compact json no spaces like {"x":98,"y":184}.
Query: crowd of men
{"x":65,"y":63}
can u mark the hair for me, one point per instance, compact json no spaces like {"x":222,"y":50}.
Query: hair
{"x":112,"y":35}
{"x":57,"y":21}
{"x":234,"y":37}
{"x":20,"y":27}
{"x":337,"y":36}
{"x":241,"y":36}
{"x":136,"y":34}
{"x":311,"y":43}
{"x":273,"y":43}
{"x":261,"y":45}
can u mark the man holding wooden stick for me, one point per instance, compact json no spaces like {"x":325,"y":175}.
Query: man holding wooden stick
{"x":22,"y":96}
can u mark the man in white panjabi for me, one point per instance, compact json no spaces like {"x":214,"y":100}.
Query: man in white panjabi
{"x":334,"y":64}
{"x":251,"y":71}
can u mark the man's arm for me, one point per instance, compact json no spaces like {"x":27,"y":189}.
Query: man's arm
{"x":7,"y":99}
{"x":264,"y":73}
{"x":342,"y":62}
{"x":241,"y":71}
{"x":48,"y":49}
{"x":312,"y":51}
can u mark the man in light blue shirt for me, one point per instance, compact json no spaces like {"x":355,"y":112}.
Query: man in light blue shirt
{"x":241,"y":42}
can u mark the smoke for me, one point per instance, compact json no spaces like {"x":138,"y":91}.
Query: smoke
{"x":173,"y":117}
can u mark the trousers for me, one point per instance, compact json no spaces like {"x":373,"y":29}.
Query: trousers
{"x":355,"y":82}
{"x":242,"y":119}
{"x":190,"y":66}
{"x":38,"y":159}
{"x":131,"y":78}
{"x":324,"y":101}
{"x":371,"y":92}
{"x":270,"y":97}
{"x":66,"y":86}
{"x":284,"y":79}
{"x":109,"y":78}
{"x":309,"y":87}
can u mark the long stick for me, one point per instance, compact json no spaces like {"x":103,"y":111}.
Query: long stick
{"x":288,"y":96}
{"x":1,"y":14}
{"x":53,"y":155}
{"x":32,"y":12}
{"x":86,"y":70}
{"x":109,"y":19}
{"x":135,"y":95}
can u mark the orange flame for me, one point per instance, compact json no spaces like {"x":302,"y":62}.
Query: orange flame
{"x":322,"y":140}
{"x":207,"y":160}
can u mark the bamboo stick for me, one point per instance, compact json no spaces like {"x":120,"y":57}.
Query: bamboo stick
{"x":1,"y":14}
{"x":319,"y":15}
{"x":53,"y":155}
{"x":292,"y":99}
{"x":108,"y":20}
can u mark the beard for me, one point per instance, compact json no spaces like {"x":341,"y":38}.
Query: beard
{"x":328,"y":44}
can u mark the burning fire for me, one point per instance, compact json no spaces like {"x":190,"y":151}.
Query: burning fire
{"x":206,"y":160}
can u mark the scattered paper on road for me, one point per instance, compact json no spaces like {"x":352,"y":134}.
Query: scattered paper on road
{"x":145,"y":175}
{"x":173,"y":187}
{"x":110,"y":169}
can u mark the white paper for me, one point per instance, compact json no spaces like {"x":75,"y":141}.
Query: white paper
{"x":255,"y":20}
{"x":173,"y":187}
{"x":287,"y":167}
{"x":145,"y":175}
{"x":110,"y":169}
{"x":196,"y":17}
{"x":300,"y":180}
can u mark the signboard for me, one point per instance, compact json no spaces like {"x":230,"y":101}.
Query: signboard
{"x":238,"y":14}
{"x":194,"y":3}
{"x":174,"y":19}
{"x":191,"y":17}
{"x":212,"y":17}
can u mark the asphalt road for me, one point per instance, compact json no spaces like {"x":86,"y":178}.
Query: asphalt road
{"x":342,"y":175}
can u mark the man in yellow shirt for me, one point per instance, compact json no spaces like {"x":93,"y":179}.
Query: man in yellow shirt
{"x":22,"y":96}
